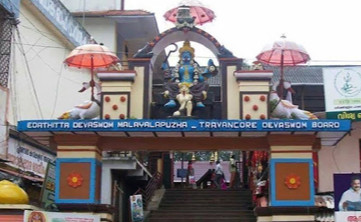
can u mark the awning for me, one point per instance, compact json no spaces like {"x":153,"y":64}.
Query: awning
{"x":18,"y":174}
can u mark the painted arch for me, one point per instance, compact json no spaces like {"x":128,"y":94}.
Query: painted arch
{"x":161,"y":41}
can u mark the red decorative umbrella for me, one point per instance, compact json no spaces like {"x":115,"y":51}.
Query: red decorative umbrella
{"x":91,"y":56}
{"x":283,"y":53}
{"x":200,"y":14}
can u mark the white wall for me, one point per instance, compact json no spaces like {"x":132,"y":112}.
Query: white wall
{"x":343,"y":158}
{"x":91,"y":5}
{"x":103,"y":30}
{"x":55,"y":85}
{"x":4,"y":93}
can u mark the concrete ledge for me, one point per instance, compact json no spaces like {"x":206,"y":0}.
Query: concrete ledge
{"x":126,"y":75}
{"x":156,"y":199}
{"x":18,"y":207}
{"x":271,"y":211}
{"x":254,"y":75}
{"x":93,"y":208}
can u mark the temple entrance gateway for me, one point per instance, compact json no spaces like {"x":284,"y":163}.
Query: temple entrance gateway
{"x":133,"y":119}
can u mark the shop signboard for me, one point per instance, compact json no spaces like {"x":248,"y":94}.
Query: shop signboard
{"x":347,"y":197}
{"x":28,"y":157}
{"x":136,"y":208}
{"x":43,"y":216}
{"x":342,"y":88}
{"x":348,"y":216}
{"x":47,"y":196}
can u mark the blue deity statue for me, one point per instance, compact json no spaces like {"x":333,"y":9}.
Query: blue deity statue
{"x":188,"y":72}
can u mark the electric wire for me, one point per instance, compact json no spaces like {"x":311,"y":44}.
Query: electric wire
{"x":13,"y":89}
{"x":22,"y":51}
{"x":251,"y":59}
{"x":57,"y":89}
{"x":199,"y":56}
{"x":32,"y":46}
{"x":36,"y":28}
{"x":37,"y":54}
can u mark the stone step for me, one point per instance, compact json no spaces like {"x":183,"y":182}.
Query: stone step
{"x":203,"y":219}
{"x":210,"y":194}
{"x":202,"y":211}
{"x":203,"y":214}
{"x":204,"y":205}
{"x":178,"y":207}
{"x":215,"y":199}
{"x":197,"y":196}
{"x":214,"y":191}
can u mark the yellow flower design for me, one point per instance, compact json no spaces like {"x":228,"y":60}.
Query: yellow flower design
{"x":75,"y":180}
{"x":293,"y":181}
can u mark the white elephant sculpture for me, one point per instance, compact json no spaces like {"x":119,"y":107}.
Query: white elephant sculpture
{"x":284,"y":109}
{"x":86,"y":110}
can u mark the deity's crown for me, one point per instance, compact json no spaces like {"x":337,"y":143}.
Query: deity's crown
{"x":187,"y":47}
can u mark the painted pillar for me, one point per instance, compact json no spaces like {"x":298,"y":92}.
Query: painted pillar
{"x":78,"y":169}
{"x":229,"y":90}
{"x":117,"y":94}
{"x":291,"y":177}
{"x":254,"y":89}
{"x":142,"y":87}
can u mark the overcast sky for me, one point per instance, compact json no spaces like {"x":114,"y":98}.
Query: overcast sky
{"x":329,"y":30}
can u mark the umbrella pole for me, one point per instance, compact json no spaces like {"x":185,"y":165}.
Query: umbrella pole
{"x":92,"y":84}
{"x":280,"y":86}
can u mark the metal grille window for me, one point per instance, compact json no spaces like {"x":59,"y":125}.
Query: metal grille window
{"x":6,"y":22}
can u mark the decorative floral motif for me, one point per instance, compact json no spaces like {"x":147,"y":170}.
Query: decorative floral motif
{"x":75,"y":180}
{"x":262,"y":98}
{"x":292,"y":181}
{"x":123,"y":99}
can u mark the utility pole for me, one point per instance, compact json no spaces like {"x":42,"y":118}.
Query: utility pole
{"x":122,"y":5}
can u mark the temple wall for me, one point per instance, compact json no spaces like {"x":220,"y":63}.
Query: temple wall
{"x":343,"y":158}
{"x":137,"y":94}
{"x":233,"y":93}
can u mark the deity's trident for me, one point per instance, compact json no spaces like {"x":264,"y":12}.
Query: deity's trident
{"x":170,"y":52}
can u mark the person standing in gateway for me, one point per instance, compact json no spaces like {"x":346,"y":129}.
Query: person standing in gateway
{"x":233,"y":171}
{"x":219,"y":174}
{"x":190,"y":174}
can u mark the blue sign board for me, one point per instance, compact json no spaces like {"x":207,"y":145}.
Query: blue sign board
{"x":11,"y":6}
{"x":176,"y":125}
{"x":60,"y":17}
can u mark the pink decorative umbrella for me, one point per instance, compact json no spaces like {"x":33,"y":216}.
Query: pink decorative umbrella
{"x":91,"y":56}
{"x":200,"y":14}
{"x":283,"y":53}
